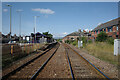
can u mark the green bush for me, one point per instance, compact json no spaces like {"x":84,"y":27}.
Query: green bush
{"x":74,"y":43}
{"x":102,"y":37}
{"x":89,"y":41}
{"x":68,"y":41}
{"x":110,"y":40}
{"x":84,"y":39}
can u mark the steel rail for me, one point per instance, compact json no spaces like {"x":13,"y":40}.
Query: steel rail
{"x":72,"y":74}
{"x":90,"y":63}
{"x":22,"y":66}
{"x":43,"y":65}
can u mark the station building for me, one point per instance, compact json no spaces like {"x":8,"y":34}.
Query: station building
{"x":110,"y":27}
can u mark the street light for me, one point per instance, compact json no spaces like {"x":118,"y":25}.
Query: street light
{"x":19,"y":11}
{"x":35,"y":26}
{"x":10,"y":19}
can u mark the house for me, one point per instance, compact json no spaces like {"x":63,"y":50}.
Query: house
{"x":75,"y":35}
{"x":6,"y":38}
{"x":110,"y":27}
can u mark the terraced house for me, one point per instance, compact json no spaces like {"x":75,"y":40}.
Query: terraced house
{"x":110,"y":27}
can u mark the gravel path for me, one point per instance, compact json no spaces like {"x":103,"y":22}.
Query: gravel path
{"x":57,"y":67}
{"x":109,"y":69}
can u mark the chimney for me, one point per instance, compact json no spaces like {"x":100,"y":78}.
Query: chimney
{"x":79,"y":30}
{"x":89,"y":31}
{"x":84,"y":31}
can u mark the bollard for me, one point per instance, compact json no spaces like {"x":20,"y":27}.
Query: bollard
{"x":11,"y":49}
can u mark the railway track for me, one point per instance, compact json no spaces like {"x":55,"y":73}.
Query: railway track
{"x":81,"y":68}
{"x":31,"y":69}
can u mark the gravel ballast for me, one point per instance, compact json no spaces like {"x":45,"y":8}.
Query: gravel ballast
{"x":57,"y":66}
{"x":109,"y":69}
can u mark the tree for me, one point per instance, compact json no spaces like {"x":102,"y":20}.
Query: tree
{"x":47,"y":34}
{"x":84,"y":39}
{"x":32,"y":34}
{"x":102,"y":37}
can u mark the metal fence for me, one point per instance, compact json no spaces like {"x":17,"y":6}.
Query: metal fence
{"x":20,"y":48}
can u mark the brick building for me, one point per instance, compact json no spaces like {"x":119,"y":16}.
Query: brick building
{"x":75,"y":35}
{"x":110,"y":27}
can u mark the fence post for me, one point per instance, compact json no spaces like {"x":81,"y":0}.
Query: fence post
{"x":38,"y":45}
{"x":11,"y":49}
{"x":28,"y":49}
{"x":24,"y":48}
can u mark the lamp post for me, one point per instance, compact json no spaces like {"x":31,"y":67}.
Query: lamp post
{"x":35,"y":26}
{"x":19,"y":11}
{"x":10,"y":19}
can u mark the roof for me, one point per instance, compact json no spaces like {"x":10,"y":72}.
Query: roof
{"x":76,"y":34}
{"x":40,"y":35}
{"x":107,"y":24}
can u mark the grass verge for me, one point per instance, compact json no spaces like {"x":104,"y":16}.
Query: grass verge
{"x":103,"y":51}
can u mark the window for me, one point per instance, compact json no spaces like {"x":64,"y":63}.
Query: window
{"x":104,"y":30}
{"x":110,"y":29}
{"x":109,"y":36}
{"x":116,"y":36}
{"x":97,"y":32}
{"x":117,"y":28}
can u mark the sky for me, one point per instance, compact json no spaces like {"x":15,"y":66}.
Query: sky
{"x":59,"y":18}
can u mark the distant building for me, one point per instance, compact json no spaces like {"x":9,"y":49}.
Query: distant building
{"x":110,"y":27}
{"x":76,"y":35}
{"x":6,"y":38}
{"x":40,"y":38}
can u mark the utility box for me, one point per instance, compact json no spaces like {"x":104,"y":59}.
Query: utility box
{"x":116,"y":47}
{"x":80,"y":43}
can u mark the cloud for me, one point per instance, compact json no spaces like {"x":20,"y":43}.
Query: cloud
{"x":19,"y":10}
{"x":5,"y":10}
{"x":60,"y":34}
{"x":99,"y":23}
{"x":87,"y":30}
{"x":44,"y":11}
{"x":65,"y":33}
